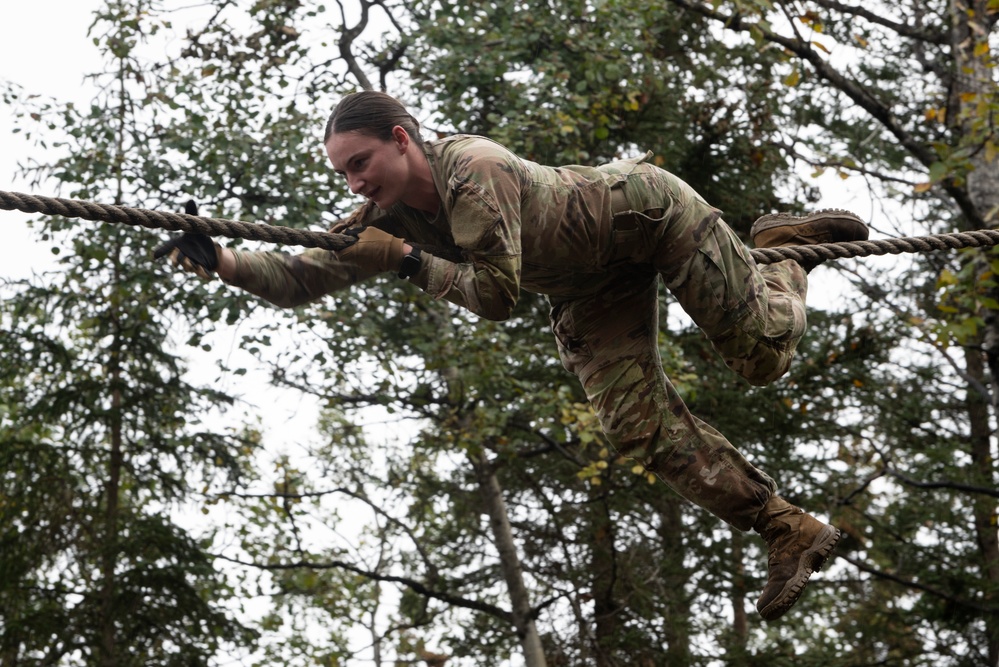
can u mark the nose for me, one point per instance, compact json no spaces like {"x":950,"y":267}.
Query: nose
{"x":355,"y":183}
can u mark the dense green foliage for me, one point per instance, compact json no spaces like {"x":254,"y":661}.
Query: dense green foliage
{"x":381,"y":538}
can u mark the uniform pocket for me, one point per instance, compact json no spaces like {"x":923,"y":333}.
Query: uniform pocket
{"x":716,"y":284}
{"x":572,"y":347}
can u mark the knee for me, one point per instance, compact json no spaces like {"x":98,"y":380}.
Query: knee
{"x":764,"y":366}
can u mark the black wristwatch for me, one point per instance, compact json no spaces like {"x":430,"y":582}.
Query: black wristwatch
{"x":410,"y":264}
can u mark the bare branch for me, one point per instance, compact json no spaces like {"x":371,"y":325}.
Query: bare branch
{"x":857,"y":92}
{"x":356,"y":496}
{"x":904,"y":29}
{"x":908,"y":583}
{"x":412,"y":584}
{"x":346,"y":43}
{"x":943,"y":484}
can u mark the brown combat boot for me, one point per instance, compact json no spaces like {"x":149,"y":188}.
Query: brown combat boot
{"x":827,"y":226}
{"x":798,"y":545}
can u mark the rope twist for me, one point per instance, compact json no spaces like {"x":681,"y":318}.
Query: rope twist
{"x":140,"y":217}
{"x":72,"y":208}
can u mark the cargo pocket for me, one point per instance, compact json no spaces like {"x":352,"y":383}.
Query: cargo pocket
{"x":573,"y":350}
{"x":716,"y":286}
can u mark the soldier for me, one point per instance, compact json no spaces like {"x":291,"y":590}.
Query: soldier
{"x":466,"y":220}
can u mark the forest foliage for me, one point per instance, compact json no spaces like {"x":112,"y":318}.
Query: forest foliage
{"x":456,"y":502}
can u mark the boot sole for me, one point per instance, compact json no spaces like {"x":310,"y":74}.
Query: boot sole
{"x":786,"y":219}
{"x":811,"y":561}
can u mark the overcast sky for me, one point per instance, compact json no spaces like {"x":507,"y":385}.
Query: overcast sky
{"x":45,"y":50}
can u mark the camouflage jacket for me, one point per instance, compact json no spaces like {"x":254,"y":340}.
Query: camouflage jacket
{"x":506,"y":223}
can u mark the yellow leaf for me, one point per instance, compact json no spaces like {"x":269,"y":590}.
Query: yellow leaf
{"x":922,"y":187}
{"x":638,"y":470}
{"x":946,"y":278}
{"x":792,"y":79}
{"x":981,"y":49}
{"x":820,"y":46}
{"x":651,"y":478}
{"x":858,"y":383}
{"x":861,"y":41}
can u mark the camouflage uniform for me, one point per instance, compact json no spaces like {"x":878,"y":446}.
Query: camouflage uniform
{"x":596,"y":241}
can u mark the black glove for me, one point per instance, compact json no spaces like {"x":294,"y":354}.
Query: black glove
{"x":192,"y":252}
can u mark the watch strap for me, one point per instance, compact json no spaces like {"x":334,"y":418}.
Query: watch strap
{"x":410,"y":263}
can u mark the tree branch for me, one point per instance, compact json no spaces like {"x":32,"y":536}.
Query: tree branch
{"x":431,"y":569}
{"x":411,"y":584}
{"x":943,"y":484}
{"x":859,"y":94}
{"x":880,"y":574}
{"x":904,"y":29}
{"x":346,"y":43}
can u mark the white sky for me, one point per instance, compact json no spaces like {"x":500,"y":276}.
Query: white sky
{"x":45,"y":50}
{"x":49,"y":54}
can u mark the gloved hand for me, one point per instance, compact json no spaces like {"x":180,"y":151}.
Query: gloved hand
{"x":374,"y":250}
{"x":195,"y":253}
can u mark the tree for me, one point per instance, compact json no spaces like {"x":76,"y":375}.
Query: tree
{"x":103,"y":438}
{"x":573,"y":556}
{"x":929,"y":146}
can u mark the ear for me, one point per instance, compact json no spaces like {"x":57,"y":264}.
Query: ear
{"x":401,"y":137}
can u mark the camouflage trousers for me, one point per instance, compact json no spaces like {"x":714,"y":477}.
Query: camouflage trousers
{"x":607,"y":334}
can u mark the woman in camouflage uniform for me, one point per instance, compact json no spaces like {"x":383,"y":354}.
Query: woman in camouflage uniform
{"x":468,"y":221}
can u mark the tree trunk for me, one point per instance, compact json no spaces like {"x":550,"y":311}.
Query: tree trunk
{"x":983,"y":507}
{"x":740,"y":621}
{"x":974,"y":89}
{"x":675,"y":578}
{"x":108,"y":650}
{"x":499,"y":522}
{"x":604,"y":569}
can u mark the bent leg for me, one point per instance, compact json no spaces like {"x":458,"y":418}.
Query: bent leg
{"x":754,"y":316}
{"x":609,"y":341}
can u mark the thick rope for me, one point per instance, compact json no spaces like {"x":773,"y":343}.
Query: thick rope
{"x":72,"y":208}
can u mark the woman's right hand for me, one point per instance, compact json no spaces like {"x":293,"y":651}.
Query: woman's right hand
{"x":197,"y":253}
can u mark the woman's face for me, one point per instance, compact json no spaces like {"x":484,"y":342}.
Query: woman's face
{"x":376,"y":169}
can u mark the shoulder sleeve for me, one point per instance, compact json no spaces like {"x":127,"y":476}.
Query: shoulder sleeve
{"x":483,"y":206}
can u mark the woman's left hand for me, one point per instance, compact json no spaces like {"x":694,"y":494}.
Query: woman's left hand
{"x":374,"y":249}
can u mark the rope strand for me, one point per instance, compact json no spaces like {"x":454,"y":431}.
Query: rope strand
{"x":72,"y":208}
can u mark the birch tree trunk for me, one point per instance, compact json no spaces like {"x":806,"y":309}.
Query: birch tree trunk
{"x":499,"y":522}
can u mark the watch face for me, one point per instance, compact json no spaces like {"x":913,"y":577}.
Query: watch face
{"x":410,"y":265}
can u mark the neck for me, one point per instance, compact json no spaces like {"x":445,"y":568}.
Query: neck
{"x":424,"y":195}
